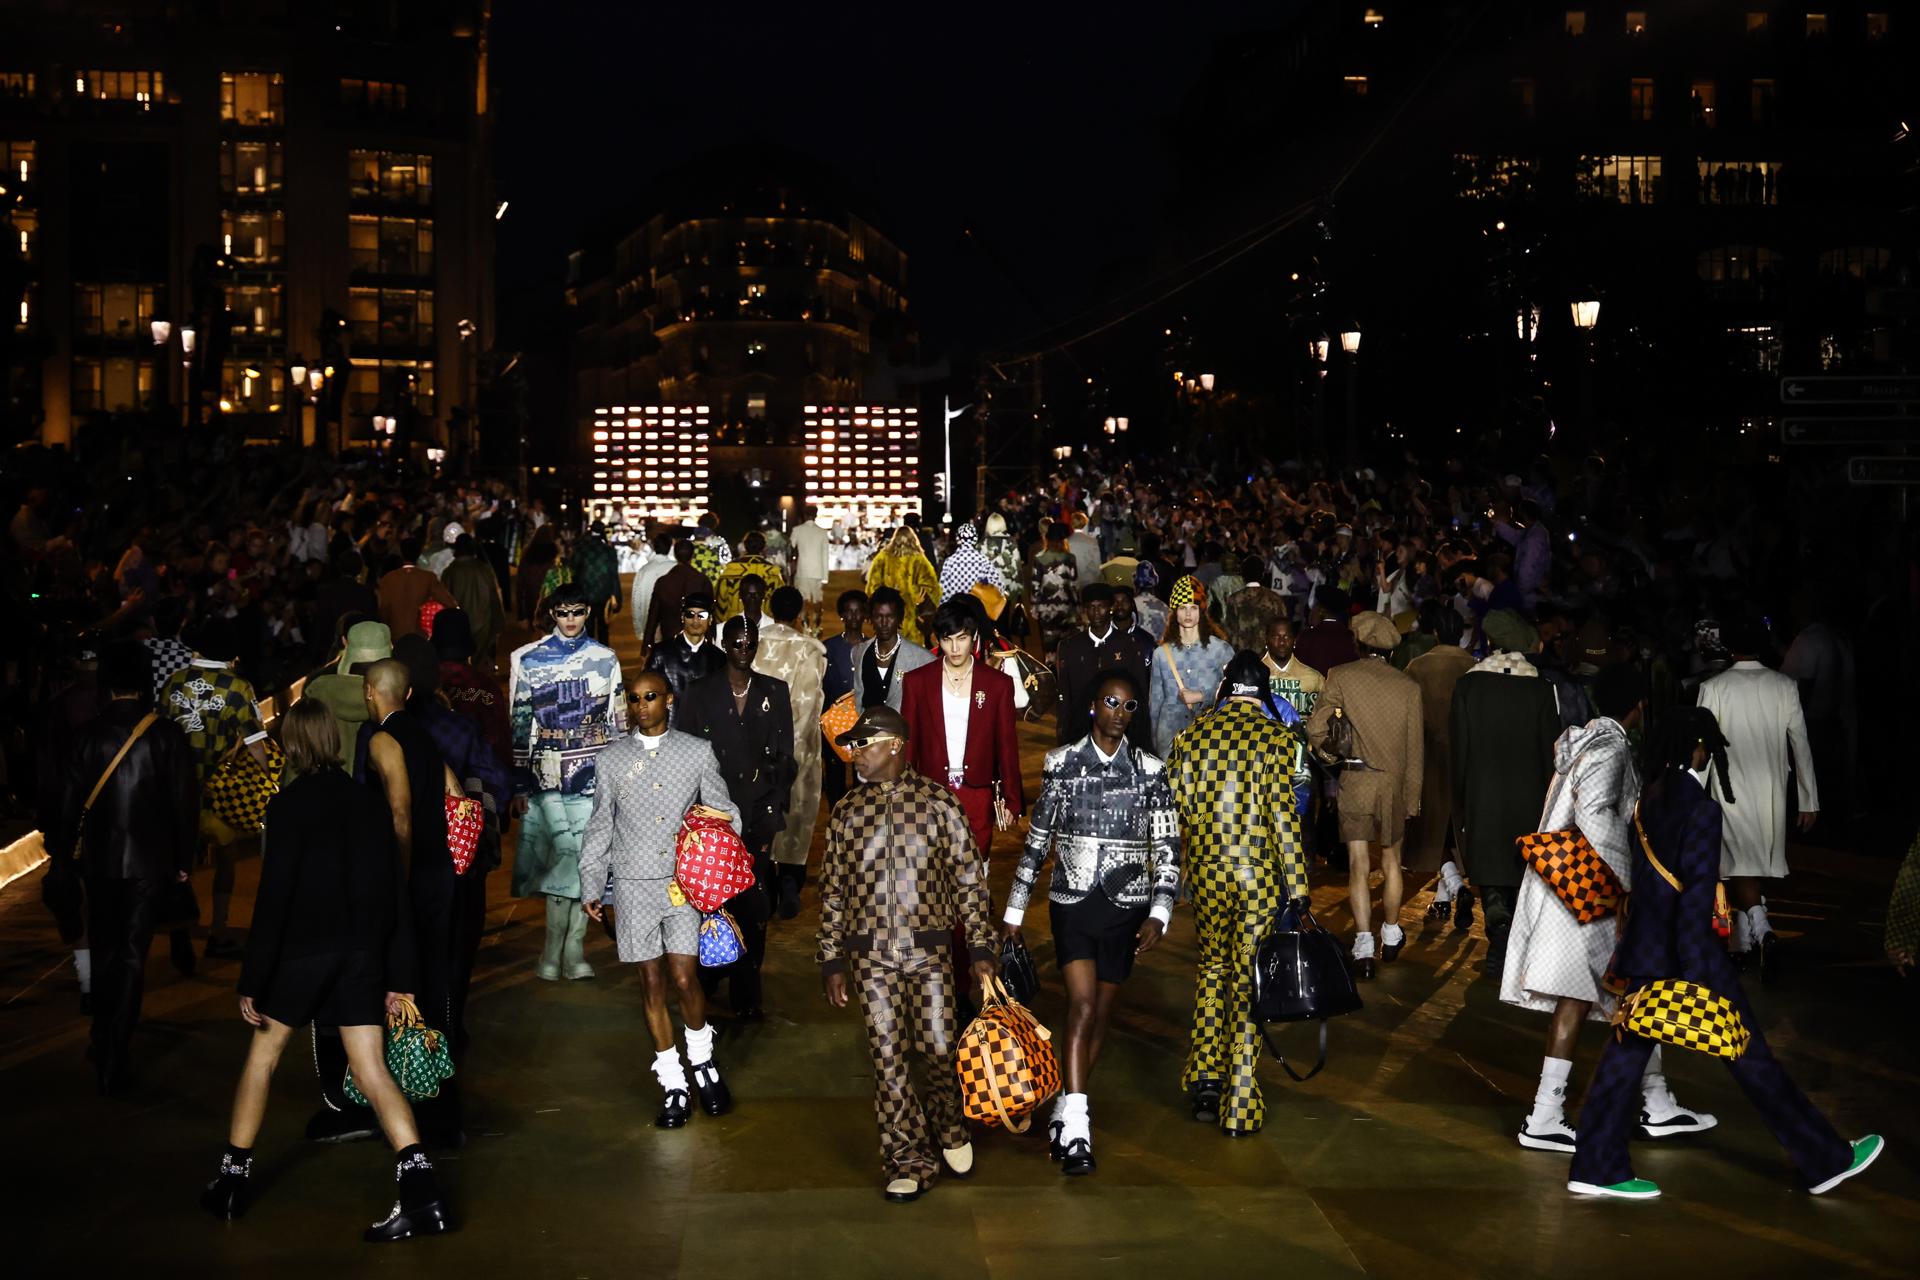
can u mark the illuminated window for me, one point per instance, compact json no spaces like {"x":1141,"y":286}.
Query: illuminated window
{"x":20,"y":84}
{"x":1631,"y":180}
{"x":89,"y":383}
{"x":404,"y":177}
{"x":19,"y":158}
{"x":756,"y":408}
{"x":1481,"y":177}
{"x":1576,"y":22}
{"x":143,"y":87}
{"x":1756,"y":349}
{"x":1862,"y":262}
{"x":1876,"y":26}
{"x":250,"y":387}
{"x":390,"y":246}
{"x":1739,"y":181}
{"x":1765,"y":102}
{"x":1353,"y":86}
{"x":756,"y":291}
{"x":256,"y":238}
{"x":1522,"y":89}
{"x":1756,"y":22}
{"x":373,"y":97}
{"x":1816,"y":25}
{"x":1640,"y":99}
{"x":384,"y":386}
{"x":1737,"y":270}
{"x":116,"y":310}
{"x":26,"y":229}
{"x":1705,"y":99}
{"x":254,"y":310}
{"x":1636,"y":22}
{"x":252,"y":97}
{"x":251,"y":168}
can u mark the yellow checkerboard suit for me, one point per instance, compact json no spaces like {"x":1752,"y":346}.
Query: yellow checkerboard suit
{"x":1231,"y":774}
{"x":1685,"y":1015}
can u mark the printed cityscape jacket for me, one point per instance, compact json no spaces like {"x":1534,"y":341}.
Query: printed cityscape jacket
{"x":1112,"y":826}
{"x":566,"y":703}
{"x":900,"y":871}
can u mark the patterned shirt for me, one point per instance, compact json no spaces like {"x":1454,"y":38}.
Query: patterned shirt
{"x":726,"y":593}
{"x":1111,"y":824}
{"x":167,"y":656}
{"x":1297,"y":682}
{"x":216,"y":708}
{"x":1231,"y":775}
{"x":900,"y":871}
{"x":566,"y":704}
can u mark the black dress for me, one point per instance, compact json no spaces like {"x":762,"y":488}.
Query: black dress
{"x":331,"y":931}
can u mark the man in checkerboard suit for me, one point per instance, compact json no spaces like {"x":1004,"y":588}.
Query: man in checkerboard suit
{"x":901,"y":870}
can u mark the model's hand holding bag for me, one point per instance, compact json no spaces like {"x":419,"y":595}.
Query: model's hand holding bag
{"x":1006,"y":1062}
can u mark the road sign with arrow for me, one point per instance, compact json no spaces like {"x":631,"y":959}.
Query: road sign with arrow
{"x":1844,"y":430}
{"x":1863,"y":389}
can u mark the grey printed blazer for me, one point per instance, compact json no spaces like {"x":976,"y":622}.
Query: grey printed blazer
{"x":639,"y":799}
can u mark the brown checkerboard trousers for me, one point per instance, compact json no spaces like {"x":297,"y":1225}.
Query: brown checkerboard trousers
{"x":1234,"y":904}
{"x":907,"y":997}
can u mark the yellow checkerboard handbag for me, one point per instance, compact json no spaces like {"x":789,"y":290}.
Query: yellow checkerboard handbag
{"x":239,"y":789}
{"x":1683,"y":1014}
{"x":1006,"y":1062}
{"x":1575,"y":871}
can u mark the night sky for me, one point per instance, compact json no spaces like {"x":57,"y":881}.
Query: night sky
{"x":1042,"y":129}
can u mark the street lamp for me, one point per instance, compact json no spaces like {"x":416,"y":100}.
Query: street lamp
{"x":1350,"y":341}
{"x":1350,"y":346}
{"x":187,"y":337}
{"x":162,"y":330}
{"x":1585,"y":314}
{"x":1317,"y":349}
{"x":1206,"y":382}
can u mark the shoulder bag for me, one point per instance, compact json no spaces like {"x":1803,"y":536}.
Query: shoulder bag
{"x":1575,"y":871}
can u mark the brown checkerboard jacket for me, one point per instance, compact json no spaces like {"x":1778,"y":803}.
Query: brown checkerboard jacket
{"x":900,"y":871}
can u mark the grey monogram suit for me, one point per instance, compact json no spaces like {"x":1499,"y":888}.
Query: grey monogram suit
{"x":641,"y":794}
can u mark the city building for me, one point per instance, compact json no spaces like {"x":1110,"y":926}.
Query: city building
{"x":754,"y":303}
{"x":213,"y":203}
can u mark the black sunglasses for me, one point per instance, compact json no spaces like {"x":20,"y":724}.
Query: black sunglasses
{"x":1128,"y":704}
{"x":572,"y":611}
{"x":651,"y":695}
{"x":861,"y":744}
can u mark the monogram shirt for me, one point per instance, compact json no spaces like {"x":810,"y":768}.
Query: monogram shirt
{"x":900,"y":871}
{"x":1112,"y":826}
{"x":215,"y":706}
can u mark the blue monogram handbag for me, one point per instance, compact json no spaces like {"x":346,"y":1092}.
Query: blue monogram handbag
{"x":720,"y":941}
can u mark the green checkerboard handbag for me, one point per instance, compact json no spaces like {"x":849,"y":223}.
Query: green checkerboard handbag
{"x":1685,"y":1015}
{"x":417,"y":1056}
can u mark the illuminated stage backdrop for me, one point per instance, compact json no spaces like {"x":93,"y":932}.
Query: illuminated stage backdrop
{"x":863,"y":463}
{"x":651,"y":461}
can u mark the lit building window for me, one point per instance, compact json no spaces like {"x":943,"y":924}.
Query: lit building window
{"x":1636,"y":22}
{"x":1353,"y":86}
{"x":1640,"y":99}
{"x":1482,"y":177}
{"x":373,"y":97}
{"x":1626,"y":179}
{"x":1862,"y":262}
{"x":1576,"y":22}
{"x":402,"y":176}
{"x":1705,"y":100}
{"x":860,"y":476}
{"x":1523,"y":97}
{"x":143,"y":87}
{"x":254,"y":311}
{"x":1876,"y":26}
{"x":390,"y":246}
{"x":26,"y":229}
{"x":256,"y":238}
{"x":251,"y":386}
{"x":1739,"y":181}
{"x":27,"y":300}
{"x":20,"y":84}
{"x":19,"y":158}
{"x":1816,"y":25}
{"x":1756,"y":349}
{"x":116,"y":310}
{"x":382,"y":385}
{"x":1756,"y":22}
{"x":1373,"y":18}
{"x":251,"y":168}
{"x":1737,"y":272}
{"x":252,"y":97}
{"x":756,"y":407}
{"x":89,"y":384}
{"x":662,"y":472}
{"x":390,"y":317}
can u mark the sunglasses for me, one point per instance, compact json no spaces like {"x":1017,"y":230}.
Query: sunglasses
{"x":571,"y":611}
{"x":1124,"y":704}
{"x":698,"y":615}
{"x":651,"y":695}
{"x":861,"y":744}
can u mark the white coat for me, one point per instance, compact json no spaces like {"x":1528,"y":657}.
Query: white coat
{"x":1766,"y":731}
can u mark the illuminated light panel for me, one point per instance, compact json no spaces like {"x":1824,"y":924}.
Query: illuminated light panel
{"x":656,"y":466}
{"x":862,"y":463}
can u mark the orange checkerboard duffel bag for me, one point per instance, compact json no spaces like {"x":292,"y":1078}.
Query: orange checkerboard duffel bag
{"x":1007,"y":1067}
{"x":1575,"y":871}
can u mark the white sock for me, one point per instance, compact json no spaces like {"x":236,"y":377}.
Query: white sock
{"x":1059,"y":1108}
{"x":668,"y":1071}
{"x":1363,"y":946}
{"x":699,"y":1045}
{"x":1742,"y":932}
{"x":1450,"y":881}
{"x":1655,"y":1097}
{"x":1074,"y":1118}
{"x":83,"y":968}
{"x":1758,"y":924}
{"x":1550,"y":1097}
{"x":1392,"y":935}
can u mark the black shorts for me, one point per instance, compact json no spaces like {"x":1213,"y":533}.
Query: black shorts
{"x":345,"y":989}
{"x":1095,"y":929}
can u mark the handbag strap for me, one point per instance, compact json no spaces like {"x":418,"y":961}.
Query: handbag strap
{"x":1646,"y":847}
{"x":146,"y":723}
{"x":1281,"y":1058}
{"x":1173,"y":666}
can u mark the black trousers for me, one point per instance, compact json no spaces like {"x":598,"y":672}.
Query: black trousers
{"x":833,"y":774}
{"x":469,"y":922}
{"x":750,"y":911}
{"x":119,"y":929}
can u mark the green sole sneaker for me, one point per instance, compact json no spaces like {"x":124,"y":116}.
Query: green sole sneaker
{"x":1631,"y":1189}
{"x":1865,"y":1151}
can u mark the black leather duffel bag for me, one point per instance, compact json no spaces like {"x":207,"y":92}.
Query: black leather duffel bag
{"x":1299,"y":972}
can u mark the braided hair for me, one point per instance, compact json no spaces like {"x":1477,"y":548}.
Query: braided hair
{"x":1687,"y":728}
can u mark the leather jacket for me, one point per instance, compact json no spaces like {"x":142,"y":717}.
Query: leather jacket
{"x":145,"y":825}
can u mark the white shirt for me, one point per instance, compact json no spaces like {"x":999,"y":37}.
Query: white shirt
{"x":954,"y":711}
{"x":650,"y":743}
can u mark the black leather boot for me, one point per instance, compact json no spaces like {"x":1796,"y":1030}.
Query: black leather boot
{"x":420,"y":1209}
{"x":227,"y":1196}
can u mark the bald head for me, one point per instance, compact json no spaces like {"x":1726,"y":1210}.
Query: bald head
{"x":387,"y":683}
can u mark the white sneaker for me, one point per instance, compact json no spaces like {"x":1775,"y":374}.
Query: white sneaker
{"x":902,"y":1190}
{"x":1552,"y":1135}
{"x":959,"y":1160}
{"x":1674,"y":1122}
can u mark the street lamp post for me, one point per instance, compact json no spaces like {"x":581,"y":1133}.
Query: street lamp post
{"x":947,"y":415}
{"x":1586,"y":314}
{"x":1317,"y":350}
{"x":1350,"y":348}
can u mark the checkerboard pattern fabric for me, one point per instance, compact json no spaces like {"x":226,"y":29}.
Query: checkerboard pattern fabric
{"x":907,"y":997}
{"x":1231,"y":774}
{"x":1685,"y":1015}
{"x":1575,"y":871}
{"x":239,"y":790}
{"x":1234,"y":903}
{"x":1006,"y":1064}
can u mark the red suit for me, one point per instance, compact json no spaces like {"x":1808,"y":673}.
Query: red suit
{"x":992,"y":754}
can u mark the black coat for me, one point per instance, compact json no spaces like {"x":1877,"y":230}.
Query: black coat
{"x":146,"y":823}
{"x":1078,"y":668}
{"x":755,"y":747}
{"x":1500,"y":733}
{"x":330,"y":883}
{"x":1669,"y":933}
